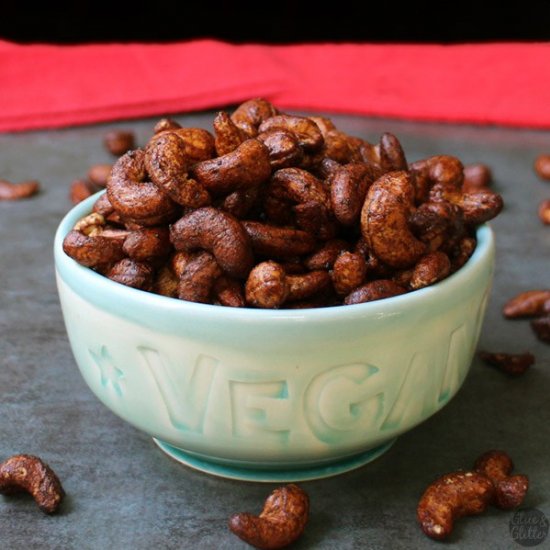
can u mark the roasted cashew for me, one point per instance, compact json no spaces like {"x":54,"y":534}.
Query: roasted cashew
{"x":247,"y":166}
{"x":306,"y":131}
{"x":444,"y":170}
{"x":16,"y":191}
{"x":278,"y":242}
{"x":374,"y":290}
{"x":133,"y":197}
{"x":349,"y":272}
{"x":526,"y":304}
{"x":510,"y":490}
{"x":229,"y":292}
{"x":450,"y":497}
{"x":198,"y":277}
{"x":132,"y":273}
{"x":384,"y":220}
{"x":217,"y":232}
{"x":281,"y":522}
{"x":513,"y":364}
{"x":431,"y":268}
{"x":284,"y":148}
{"x":476,"y":177}
{"x":228,"y":136}
{"x":392,"y":156}
{"x":148,"y":242}
{"x":249,"y":115}
{"x":326,"y":255}
{"x":28,"y":473}
{"x":166,"y":124}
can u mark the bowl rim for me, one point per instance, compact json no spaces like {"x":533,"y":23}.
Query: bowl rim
{"x":104,"y":292}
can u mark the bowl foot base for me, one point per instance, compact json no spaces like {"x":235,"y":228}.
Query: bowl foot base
{"x":273,"y":475}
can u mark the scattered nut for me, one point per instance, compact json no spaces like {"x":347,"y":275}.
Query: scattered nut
{"x":541,"y":328}
{"x":16,"y":191}
{"x":526,"y":304}
{"x":512,"y":364}
{"x":544,"y":211}
{"x":28,"y":473}
{"x":281,"y":522}
{"x":118,"y":142}
{"x":542,"y":166}
{"x":80,"y":190}
{"x":98,"y":174}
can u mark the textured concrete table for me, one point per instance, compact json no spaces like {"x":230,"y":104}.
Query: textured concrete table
{"x":123,"y":492}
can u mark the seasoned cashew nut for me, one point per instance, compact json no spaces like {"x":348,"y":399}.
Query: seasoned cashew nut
{"x":247,"y":166}
{"x":384,"y":220}
{"x":445,"y":170}
{"x":132,"y":273}
{"x":392,"y":156}
{"x":340,"y":147}
{"x":278,"y":242}
{"x":374,"y":290}
{"x":462,"y":251}
{"x":217,"y":232}
{"x":166,"y":124}
{"x":15,"y":191}
{"x":450,"y":497}
{"x":166,"y":282}
{"x":513,"y":364}
{"x":281,"y":522}
{"x":249,"y":115}
{"x":326,"y":255}
{"x":510,"y":490}
{"x":229,"y":292}
{"x":198,"y":277}
{"x":133,"y":197}
{"x":476,"y":177}
{"x":148,"y":242}
{"x":168,"y":158}
{"x":28,"y":473}
{"x":432,"y":267}
{"x":348,"y":187}
{"x":98,"y":174}
{"x":349,"y":272}
{"x":284,"y":148}
{"x":241,"y":202}
{"x":228,"y":136}
{"x":526,"y":304}
{"x":306,"y":131}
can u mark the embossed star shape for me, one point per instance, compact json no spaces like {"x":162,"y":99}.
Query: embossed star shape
{"x":108,"y":371}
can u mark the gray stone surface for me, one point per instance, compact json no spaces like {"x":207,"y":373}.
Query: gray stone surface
{"x":123,"y":492}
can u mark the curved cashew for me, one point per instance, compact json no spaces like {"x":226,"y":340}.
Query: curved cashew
{"x":133,"y":197}
{"x":229,"y":292}
{"x":247,"y":166}
{"x":444,"y":170}
{"x":384,"y":220}
{"x":249,"y":115}
{"x":242,"y":201}
{"x":349,"y":272}
{"x":217,"y":232}
{"x":284,"y":149}
{"x":228,"y":136}
{"x":509,"y":490}
{"x":147,"y":242}
{"x":326,"y":255}
{"x":30,"y":474}
{"x":168,"y":158}
{"x":450,"y":497}
{"x":392,"y":156}
{"x":132,"y":273}
{"x":306,"y":131}
{"x":431,"y":267}
{"x":16,"y":191}
{"x":374,"y":290}
{"x":281,"y":522}
{"x":278,"y":242}
{"x":198,"y":277}
{"x":529,"y":303}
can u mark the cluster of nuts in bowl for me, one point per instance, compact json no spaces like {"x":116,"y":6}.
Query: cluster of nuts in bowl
{"x":274,"y":210}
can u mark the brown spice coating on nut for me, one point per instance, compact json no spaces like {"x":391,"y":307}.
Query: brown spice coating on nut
{"x":462,"y":251}
{"x":305,"y":285}
{"x":132,"y":273}
{"x":227,"y":135}
{"x":198,"y":277}
{"x":17,"y":191}
{"x":148,"y":242}
{"x":241,"y":202}
{"x":430,"y":269}
{"x":166,"y":282}
{"x":324,"y":124}
{"x":450,"y":497}
{"x":392,"y":156}
{"x":476,"y":176}
{"x":526,"y":304}
{"x":326,"y":255}
{"x":98,"y":174}
{"x":229,"y":292}
{"x":444,"y":170}
{"x":266,"y":285}
{"x":278,"y":242}
{"x":81,"y":190}
{"x":118,"y":142}
{"x":284,"y":148}
{"x":542,"y":166}
{"x":96,"y":250}
{"x":165,"y":124}
{"x":217,"y":232}
{"x":541,"y":328}
{"x":510,"y":490}
{"x":282,"y":520}
{"x":306,"y":131}
{"x":374,"y":290}
{"x":340,"y":147}
{"x":247,"y":166}
{"x":384,"y":220}
{"x":28,"y":473}
{"x":544,"y":211}
{"x":134,"y":197}
{"x":249,"y":115}
{"x":480,"y":206}
{"x":514,"y":364}
{"x":349,"y":272}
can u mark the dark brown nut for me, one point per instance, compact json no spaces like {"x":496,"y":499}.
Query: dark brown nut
{"x":133,"y":197}
{"x":166,"y":124}
{"x":229,"y":292}
{"x":325,"y":168}
{"x":544,"y":211}
{"x":249,"y":115}
{"x":217,"y":232}
{"x":247,"y":166}
{"x":166,"y":282}
{"x":324,"y":257}
{"x":392,"y":156}
{"x":148,"y":242}
{"x":104,"y":207}
{"x":340,"y":147}
{"x":348,"y":187}
{"x":278,"y":242}
{"x":179,"y":261}
{"x":241,"y":202}
{"x":349,"y":272}
{"x":430,"y":269}
{"x":132,"y":273}
{"x":28,"y":473}
{"x":267,"y":285}
{"x":282,"y":520}
{"x":81,"y":190}
{"x":384,"y":221}
{"x":462,"y":251}
{"x":228,"y":136}
{"x":374,"y":290}
{"x":284,"y":149}
{"x":509,"y":490}
{"x":198,"y":277}
{"x":542,"y":167}
{"x":98,"y":174}
{"x":324,"y":124}
{"x":169,"y":156}
{"x":306,"y":285}
{"x":451,"y":497}
{"x":480,"y":206}
{"x":476,"y":176}
{"x":17,"y":191}
{"x":444,"y":170}
{"x":370,"y":152}
{"x":526,"y":304}
{"x":306,"y":131}
{"x":118,"y":142}
{"x":316,"y":219}
{"x":541,"y":328}
{"x":512,"y":364}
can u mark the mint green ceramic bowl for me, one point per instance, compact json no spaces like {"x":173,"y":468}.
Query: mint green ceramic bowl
{"x":265,"y":395}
